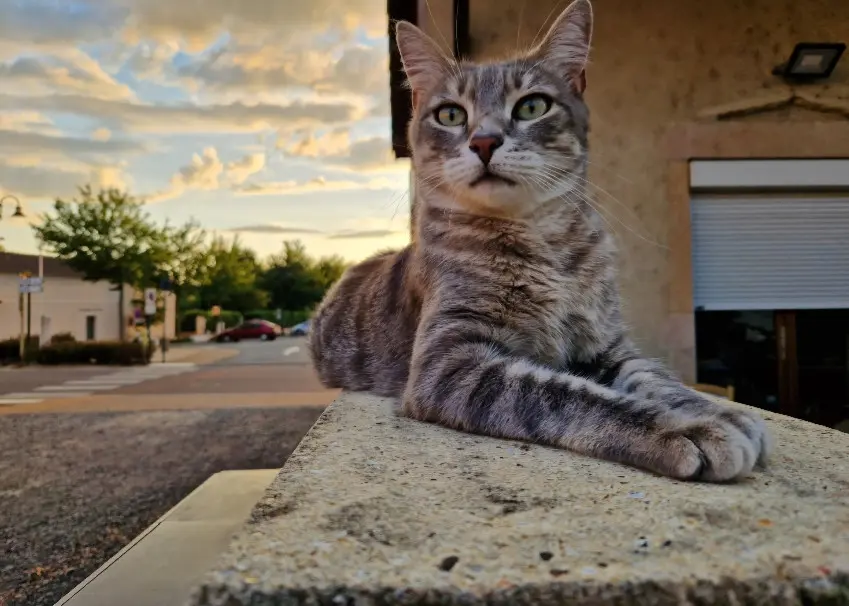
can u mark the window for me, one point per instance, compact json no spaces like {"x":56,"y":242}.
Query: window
{"x":90,"y":326}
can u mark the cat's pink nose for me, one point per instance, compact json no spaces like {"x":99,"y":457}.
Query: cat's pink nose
{"x":485,"y":145}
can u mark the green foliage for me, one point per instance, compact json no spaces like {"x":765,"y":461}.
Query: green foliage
{"x":94,"y":352}
{"x":10,"y":349}
{"x":232,"y":281}
{"x":296,"y":281}
{"x":62,"y":337}
{"x":108,"y":236}
{"x":105,"y":236}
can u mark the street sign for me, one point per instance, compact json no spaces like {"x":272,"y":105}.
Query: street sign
{"x":150,"y":301}
{"x":30,"y":285}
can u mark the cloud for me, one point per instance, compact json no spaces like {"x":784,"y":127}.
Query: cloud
{"x":187,"y":118}
{"x":206,"y":171}
{"x":101,"y":134}
{"x":307,"y":144}
{"x":274,"y":229}
{"x":26,"y":121}
{"x":361,"y":70}
{"x":43,"y":181}
{"x":73,"y":72}
{"x":348,"y":234}
{"x":364,"y":234}
{"x":14,"y":143}
{"x":243,"y":168}
{"x":165,"y":20}
{"x":266,"y":69}
{"x":283,"y":188}
{"x":202,"y":173}
{"x":335,"y":147}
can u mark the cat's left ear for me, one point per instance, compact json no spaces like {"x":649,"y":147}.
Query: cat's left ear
{"x":566,"y":46}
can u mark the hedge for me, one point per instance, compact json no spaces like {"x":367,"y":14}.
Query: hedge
{"x":64,"y":351}
{"x":10,"y":349}
{"x":94,"y":352}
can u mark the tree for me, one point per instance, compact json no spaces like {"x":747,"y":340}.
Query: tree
{"x":233,"y":280}
{"x":108,"y":236}
{"x":296,"y":281}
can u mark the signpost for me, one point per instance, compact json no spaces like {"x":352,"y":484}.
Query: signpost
{"x":165,"y":287}
{"x":149,"y":312}
{"x":27,"y":284}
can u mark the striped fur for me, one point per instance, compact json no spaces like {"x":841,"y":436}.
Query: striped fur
{"x":503,"y":317}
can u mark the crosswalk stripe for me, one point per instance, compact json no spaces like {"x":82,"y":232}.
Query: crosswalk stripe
{"x":75,"y":388}
{"x":12,"y":401}
{"x":117,"y":382}
{"x":47,"y":394}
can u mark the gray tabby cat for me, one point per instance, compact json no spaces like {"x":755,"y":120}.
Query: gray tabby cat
{"x":503,"y":317}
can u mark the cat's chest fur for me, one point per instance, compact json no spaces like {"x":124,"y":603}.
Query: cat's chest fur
{"x":548,"y":299}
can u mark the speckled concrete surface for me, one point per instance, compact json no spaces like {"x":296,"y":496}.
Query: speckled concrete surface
{"x":376,"y":509}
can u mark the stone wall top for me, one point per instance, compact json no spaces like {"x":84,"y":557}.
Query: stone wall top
{"x":377,"y":509}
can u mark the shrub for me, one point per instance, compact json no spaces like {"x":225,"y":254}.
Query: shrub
{"x":10,"y":349}
{"x":62,"y":337}
{"x":94,"y":352}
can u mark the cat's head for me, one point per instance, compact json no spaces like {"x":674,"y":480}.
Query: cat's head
{"x":503,"y":137}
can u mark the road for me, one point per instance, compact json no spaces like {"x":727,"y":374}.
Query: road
{"x":106,"y":451}
{"x":247,"y":374}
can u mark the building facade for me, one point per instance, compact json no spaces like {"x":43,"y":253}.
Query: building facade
{"x":68,"y":304}
{"x":727,"y":186}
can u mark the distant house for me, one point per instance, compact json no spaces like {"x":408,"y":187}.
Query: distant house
{"x":726,"y":184}
{"x":68,"y":304}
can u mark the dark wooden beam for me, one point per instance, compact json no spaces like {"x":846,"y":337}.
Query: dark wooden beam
{"x":400,"y":97}
{"x":461,"y":29}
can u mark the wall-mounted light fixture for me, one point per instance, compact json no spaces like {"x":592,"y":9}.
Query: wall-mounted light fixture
{"x":811,"y":61}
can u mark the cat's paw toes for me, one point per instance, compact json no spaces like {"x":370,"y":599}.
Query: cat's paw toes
{"x":719,"y":449}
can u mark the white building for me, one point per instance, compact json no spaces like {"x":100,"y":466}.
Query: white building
{"x":68,"y":304}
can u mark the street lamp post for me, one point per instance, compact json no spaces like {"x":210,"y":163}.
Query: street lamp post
{"x":19,"y":209}
{"x":18,"y":214}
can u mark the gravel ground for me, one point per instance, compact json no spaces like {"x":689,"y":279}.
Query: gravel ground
{"x":74,"y":489}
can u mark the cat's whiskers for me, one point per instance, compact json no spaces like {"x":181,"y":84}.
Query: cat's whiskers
{"x":597,"y":204}
{"x":552,"y":180}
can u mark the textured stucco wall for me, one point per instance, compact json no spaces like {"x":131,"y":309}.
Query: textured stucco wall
{"x":655,"y":62}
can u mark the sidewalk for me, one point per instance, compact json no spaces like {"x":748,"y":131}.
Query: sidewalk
{"x":153,"y":402}
{"x":194,"y":354}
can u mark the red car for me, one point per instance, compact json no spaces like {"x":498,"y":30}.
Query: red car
{"x":252,"y":329}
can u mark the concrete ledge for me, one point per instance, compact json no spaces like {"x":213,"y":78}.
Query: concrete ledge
{"x":375,"y":509}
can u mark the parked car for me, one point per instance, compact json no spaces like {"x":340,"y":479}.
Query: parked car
{"x":251,"y":329}
{"x":300,"y":330}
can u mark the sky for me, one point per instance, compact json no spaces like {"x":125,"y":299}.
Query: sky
{"x":266,"y":119}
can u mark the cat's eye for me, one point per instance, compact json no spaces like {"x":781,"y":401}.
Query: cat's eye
{"x":450,"y":115}
{"x":532,"y":107}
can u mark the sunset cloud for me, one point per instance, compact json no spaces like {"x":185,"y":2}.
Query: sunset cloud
{"x":188,"y":117}
{"x":196,"y":105}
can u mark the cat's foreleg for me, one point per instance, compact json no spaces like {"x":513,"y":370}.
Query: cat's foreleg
{"x":461,"y":378}
{"x":628,"y":372}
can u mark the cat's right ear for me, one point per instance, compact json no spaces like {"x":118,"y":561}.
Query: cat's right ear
{"x":567,"y":44}
{"x":424,"y":63}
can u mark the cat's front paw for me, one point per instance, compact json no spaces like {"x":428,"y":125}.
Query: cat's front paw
{"x":717,"y":448}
